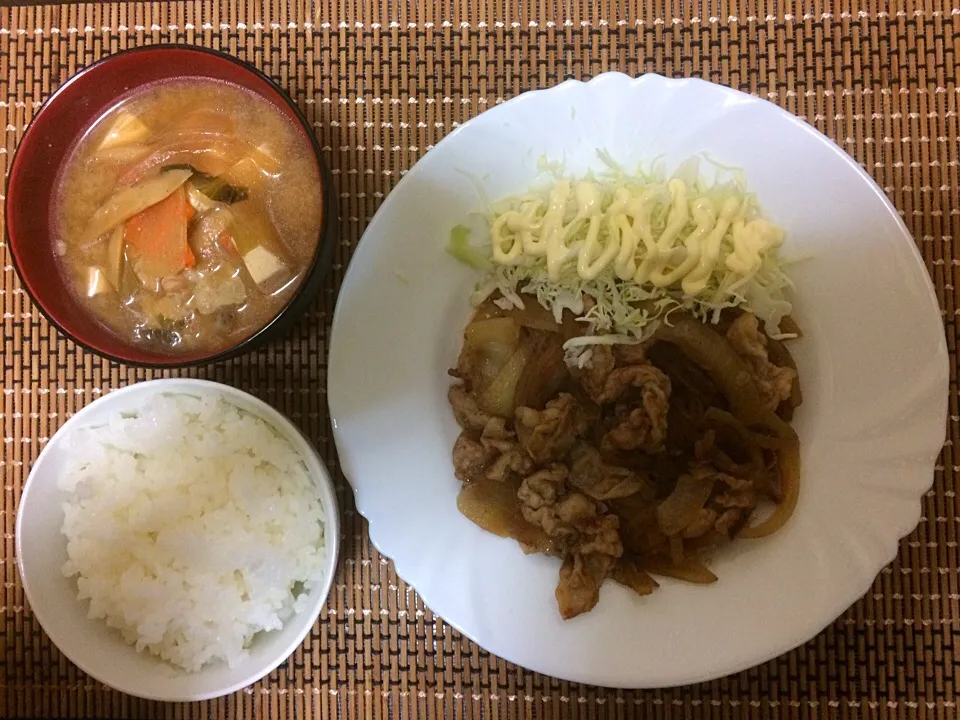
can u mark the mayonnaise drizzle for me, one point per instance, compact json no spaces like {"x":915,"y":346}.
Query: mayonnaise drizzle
{"x":580,"y":226}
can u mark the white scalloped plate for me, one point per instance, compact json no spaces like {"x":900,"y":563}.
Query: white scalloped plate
{"x":873,"y":363}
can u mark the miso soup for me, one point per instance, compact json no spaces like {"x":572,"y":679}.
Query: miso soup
{"x":188,"y":215}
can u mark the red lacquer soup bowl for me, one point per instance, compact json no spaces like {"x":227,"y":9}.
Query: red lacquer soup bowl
{"x":48,"y":142}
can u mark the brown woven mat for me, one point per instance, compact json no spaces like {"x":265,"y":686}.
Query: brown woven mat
{"x":383,"y":81}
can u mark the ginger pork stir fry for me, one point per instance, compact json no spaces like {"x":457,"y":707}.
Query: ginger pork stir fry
{"x":631,"y":461}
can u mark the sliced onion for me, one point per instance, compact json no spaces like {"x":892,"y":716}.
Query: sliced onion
{"x":788,"y":461}
{"x":689,"y":570}
{"x":500,"y":397}
{"x":681,"y":506}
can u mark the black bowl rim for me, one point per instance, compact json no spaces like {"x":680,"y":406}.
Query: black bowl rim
{"x":326,"y":239}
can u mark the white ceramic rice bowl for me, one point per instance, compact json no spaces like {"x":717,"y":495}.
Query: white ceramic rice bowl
{"x":90,"y":644}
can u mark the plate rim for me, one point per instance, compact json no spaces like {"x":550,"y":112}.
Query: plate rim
{"x":942,"y":376}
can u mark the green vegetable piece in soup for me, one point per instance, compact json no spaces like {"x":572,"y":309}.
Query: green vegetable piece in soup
{"x":214,"y":187}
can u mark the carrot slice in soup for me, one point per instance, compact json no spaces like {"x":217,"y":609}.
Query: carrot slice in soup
{"x":157,"y":238}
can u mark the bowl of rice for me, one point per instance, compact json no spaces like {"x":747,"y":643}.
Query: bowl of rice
{"x":177,"y":539}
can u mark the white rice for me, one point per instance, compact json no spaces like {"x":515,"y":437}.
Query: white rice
{"x":191,"y":526}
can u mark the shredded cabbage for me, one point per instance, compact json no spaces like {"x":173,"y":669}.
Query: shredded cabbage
{"x":745,"y":272}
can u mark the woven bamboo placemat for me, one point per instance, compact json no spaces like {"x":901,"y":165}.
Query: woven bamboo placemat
{"x":383,"y":81}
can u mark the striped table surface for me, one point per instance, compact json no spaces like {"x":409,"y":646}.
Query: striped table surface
{"x":382,"y":82}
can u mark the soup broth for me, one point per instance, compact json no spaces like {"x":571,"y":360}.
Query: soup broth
{"x":188,"y":215}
